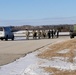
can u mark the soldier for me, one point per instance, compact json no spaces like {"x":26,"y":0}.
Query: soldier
{"x":49,"y":34}
{"x":52,"y":34}
{"x":34,"y":34}
{"x":57,"y":33}
{"x":39,"y":34}
{"x":43,"y":34}
{"x":27,"y":34}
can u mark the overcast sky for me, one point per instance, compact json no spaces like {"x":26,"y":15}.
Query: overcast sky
{"x":37,"y":12}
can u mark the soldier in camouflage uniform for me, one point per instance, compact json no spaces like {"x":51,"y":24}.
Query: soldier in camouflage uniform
{"x":39,"y":34}
{"x":27,"y":34}
{"x":34,"y":34}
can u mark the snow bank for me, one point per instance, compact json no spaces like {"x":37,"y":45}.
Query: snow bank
{"x":64,"y":51}
{"x":28,"y":65}
{"x":64,"y":33}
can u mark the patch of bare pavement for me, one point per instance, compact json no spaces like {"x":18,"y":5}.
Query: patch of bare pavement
{"x":12,"y":50}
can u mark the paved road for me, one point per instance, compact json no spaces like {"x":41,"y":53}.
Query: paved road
{"x":12,"y":50}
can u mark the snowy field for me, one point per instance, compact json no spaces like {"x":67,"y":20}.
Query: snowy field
{"x":23,"y":33}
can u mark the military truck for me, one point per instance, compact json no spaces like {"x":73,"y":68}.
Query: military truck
{"x":73,"y":31}
{"x":6,"y":33}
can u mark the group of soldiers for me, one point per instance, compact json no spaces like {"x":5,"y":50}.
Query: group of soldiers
{"x":41,"y":34}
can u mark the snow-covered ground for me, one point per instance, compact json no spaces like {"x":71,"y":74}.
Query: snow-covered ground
{"x":31,"y":64}
{"x":23,"y":33}
{"x":28,"y":65}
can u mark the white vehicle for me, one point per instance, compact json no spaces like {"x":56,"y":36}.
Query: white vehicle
{"x":6,"y":33}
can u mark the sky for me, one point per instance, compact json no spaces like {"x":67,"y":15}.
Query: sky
{"x":37,"y":12}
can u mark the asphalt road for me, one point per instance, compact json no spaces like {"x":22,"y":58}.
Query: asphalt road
{"x":12,"y":50}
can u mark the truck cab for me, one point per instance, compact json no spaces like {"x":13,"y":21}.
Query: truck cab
{"x":6,"y":33}
{"x":73,"y":32}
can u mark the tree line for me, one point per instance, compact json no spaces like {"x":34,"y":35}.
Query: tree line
{"x":61,"y":28}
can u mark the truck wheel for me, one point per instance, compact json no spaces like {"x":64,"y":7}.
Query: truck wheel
{"x":13,"y":38}
{"x":6,"y":39}
{"x":1,"y":38}
{"x":71,"y":36}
